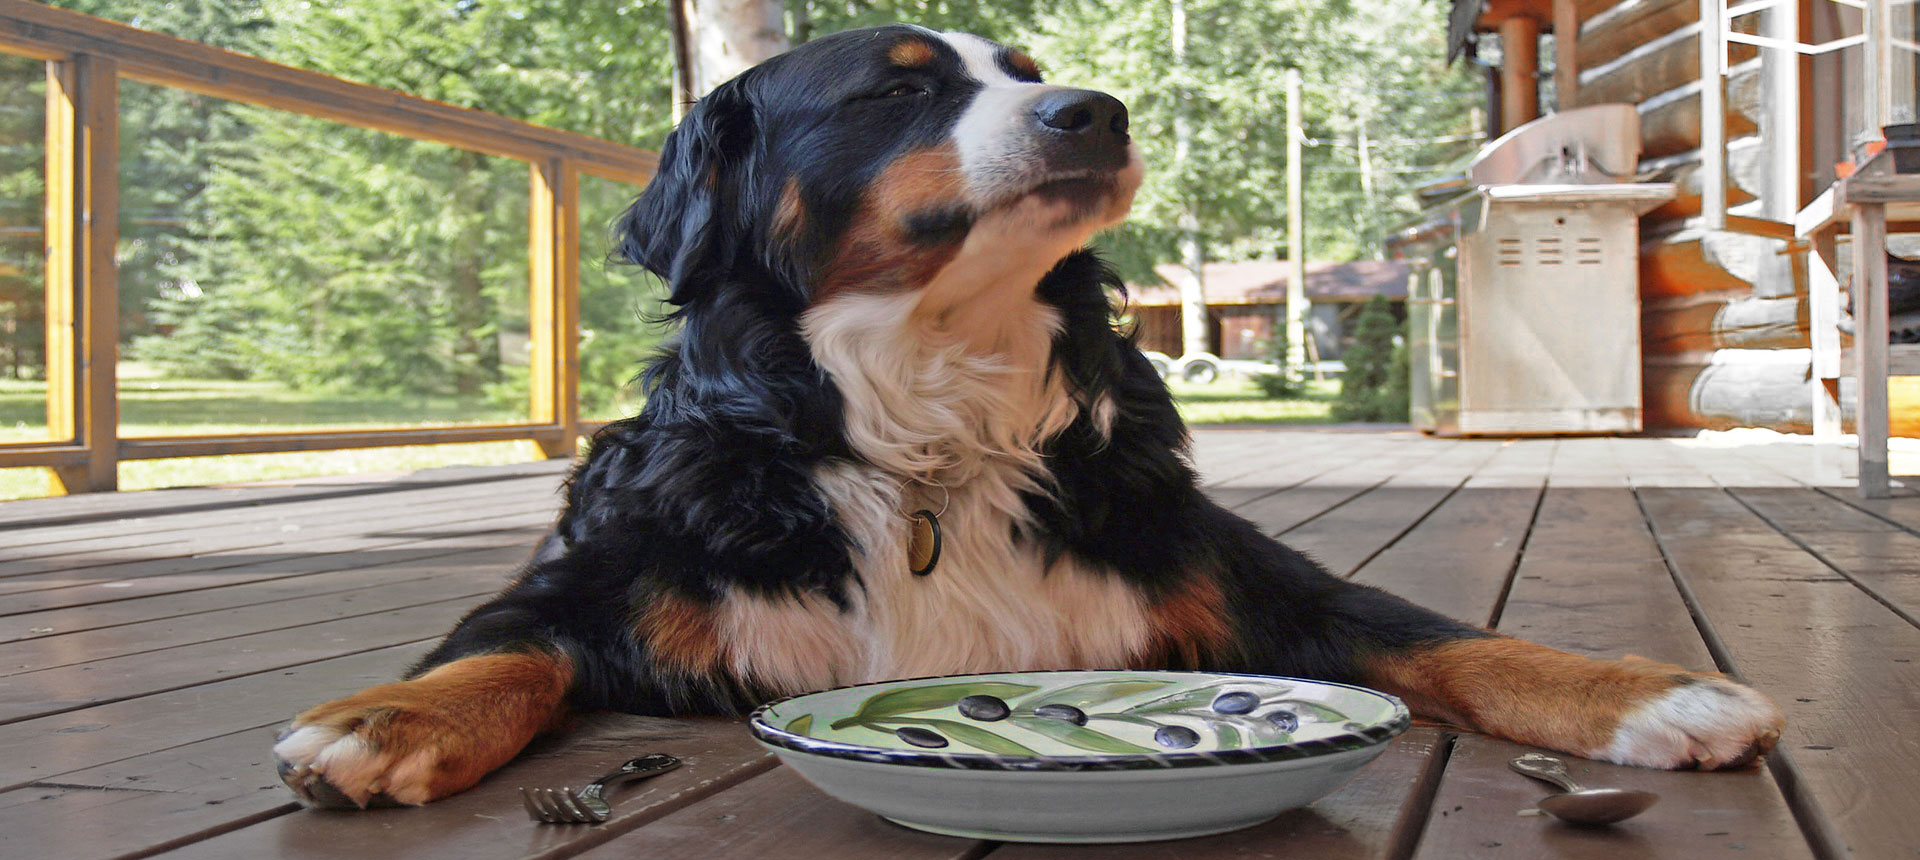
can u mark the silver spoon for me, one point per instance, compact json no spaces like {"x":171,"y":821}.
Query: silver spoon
{"x":1576,"y":805}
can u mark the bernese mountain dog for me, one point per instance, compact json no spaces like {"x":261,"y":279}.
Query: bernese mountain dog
{"x":898,"y":435}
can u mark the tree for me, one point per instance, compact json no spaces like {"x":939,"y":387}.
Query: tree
{"x":1373,"y":388}
{"x":276,"y":247}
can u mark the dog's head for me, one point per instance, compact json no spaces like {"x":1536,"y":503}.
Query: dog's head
{"x":883,"y":159}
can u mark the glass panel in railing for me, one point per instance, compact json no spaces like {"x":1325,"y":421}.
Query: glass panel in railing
{"x":23,"y":335}
{"x":279,"y":272}
{"x":23,"y":300}
{"x":619,"y":308}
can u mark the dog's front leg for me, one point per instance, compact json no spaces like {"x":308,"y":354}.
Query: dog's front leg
{"x":1629,"y":711}
{"x":425,"y":738}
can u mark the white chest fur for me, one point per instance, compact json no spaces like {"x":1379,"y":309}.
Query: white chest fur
{"x":928,"y":406}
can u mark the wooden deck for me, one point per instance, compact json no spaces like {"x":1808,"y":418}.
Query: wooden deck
{"x":150,"y":643}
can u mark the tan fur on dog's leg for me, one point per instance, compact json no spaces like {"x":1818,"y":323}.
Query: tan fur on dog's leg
{"x":1632,"y":711}
{"x":421,"y":740}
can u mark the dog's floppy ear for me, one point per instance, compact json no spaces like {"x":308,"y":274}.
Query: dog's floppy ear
{"x":681,"y":228}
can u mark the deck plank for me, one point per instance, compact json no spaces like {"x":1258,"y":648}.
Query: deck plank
{"x":1881,"y":559}
{"x":97,"y":507}
{"x":1372,"y":816}
{"x":1591,"y":581}
{"x":1286,"y":466}
{"x":487,"y":821}
{"x":1441,"y":521}
{"x":1350,"y":535}
{"x":468,"y":576}
{"x":51,"y":691}
{"x":138,"y":579}
{"x":1331,"y":488}
{"x":338,"y":581}
{"x":1838,"y":662}
{"x":779,"y":814}
{"x":247,"y":526}
{"x":44,"y":748}
{"x":211,"y":539}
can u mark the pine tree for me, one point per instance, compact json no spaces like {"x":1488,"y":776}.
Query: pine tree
{"x":1368,"y":387}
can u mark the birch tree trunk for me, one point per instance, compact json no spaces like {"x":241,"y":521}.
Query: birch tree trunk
{"x":715,"y":40}
{"x":1193,"y":248}
{"x":731,"y":36}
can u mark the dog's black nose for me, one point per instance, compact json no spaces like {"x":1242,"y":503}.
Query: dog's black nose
{"x":1082,"y":112}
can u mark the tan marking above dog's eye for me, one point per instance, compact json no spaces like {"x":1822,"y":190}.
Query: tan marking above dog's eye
{"x":1022,"y":66}
{"x":911,"y":53}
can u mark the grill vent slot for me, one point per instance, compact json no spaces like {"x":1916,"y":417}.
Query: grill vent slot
{"x":1511,"y":252}
{"x":1586,"y":251}
{"x":1547,"y":251}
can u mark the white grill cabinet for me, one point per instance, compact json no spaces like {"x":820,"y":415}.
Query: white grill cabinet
{"x":1524,"y":305}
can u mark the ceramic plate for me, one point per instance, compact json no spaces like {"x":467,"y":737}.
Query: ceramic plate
{"x":1081,"y":756}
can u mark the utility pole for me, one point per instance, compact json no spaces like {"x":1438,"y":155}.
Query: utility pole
{"x":1366,"y":185}
{"x":1193,"y":252}
{"x":1296,"y":235}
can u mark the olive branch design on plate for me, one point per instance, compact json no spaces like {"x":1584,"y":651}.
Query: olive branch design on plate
{"x":1085,"y":716}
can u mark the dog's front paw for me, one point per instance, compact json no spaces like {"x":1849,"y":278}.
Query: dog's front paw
{"x":363,"y":751}
{"x":1702,"y":721}
{"x":421,"y":740}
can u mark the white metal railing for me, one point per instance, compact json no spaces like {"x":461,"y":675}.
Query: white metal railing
{"x":1780,"y":32}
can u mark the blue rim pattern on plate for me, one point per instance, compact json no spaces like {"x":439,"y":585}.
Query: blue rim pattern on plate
{"x":1377,"y":733}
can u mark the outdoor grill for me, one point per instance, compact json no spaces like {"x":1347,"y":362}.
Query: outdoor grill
{"x":1523,"y":306}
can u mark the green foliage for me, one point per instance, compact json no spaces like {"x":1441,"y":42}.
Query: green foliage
{"x":1287,"y":380}
{"x":264,"y":246}
{"x":1374,"y":387}
{"x":23,"y":97}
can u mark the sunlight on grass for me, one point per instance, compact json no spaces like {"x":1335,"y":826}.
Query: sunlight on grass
{"x":151,"y":406}
{"x":1233,"y":400}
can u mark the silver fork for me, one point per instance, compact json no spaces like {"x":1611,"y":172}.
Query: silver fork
{"x":589,"y":804}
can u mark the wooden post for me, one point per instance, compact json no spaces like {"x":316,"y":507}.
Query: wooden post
{"x":553,"y":255}
{"x":83,"y":304}
{"x":1519,"y":71}
{"x":1870,"y":419}
{"x":1566,"y":63}
{"x":1713,"y":116}
{"x":1296,"y":233}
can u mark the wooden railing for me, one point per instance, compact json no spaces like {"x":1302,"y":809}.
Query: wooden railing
{"x":86,"y":58}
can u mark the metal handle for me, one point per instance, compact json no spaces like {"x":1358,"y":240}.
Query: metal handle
{"x":1545,"y":768}
{"x":646,"y":765}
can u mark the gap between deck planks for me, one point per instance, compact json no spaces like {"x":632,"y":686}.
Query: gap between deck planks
{"x":1591,"y":581}
{"x":1381,"y":813}
{"x":1840,"y":663}
{"x":214,"y":537}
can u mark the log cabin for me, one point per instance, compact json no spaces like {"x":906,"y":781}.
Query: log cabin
{"x":1725,"y":331}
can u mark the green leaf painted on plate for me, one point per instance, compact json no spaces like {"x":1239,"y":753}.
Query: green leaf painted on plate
{"x":1129,"y":719}
{"x":911,"y":700}
{"x":801,"y":725}
{"x":1318,"y":710}
{"x":1092,"y":693}
{"x":1228,"y":736}
{"x":1201,"y":698}
{"x":979,"y":738}
{"x":1178,"y":702}
{"x":1079,"y":737}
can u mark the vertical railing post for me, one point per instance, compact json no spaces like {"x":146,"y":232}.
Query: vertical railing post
{"x":1713,"y":114}
{"x":83,"y":302}
{"x":553,"y":226}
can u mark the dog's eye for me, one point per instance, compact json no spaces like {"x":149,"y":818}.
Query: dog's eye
{"x":901,"y":91}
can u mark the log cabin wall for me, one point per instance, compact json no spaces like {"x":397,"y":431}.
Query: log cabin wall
{"x":1724,"y":329}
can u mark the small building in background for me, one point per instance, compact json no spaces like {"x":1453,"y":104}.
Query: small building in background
{"x":1246,"y":302}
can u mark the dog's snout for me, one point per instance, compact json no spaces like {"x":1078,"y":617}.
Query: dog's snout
{"x":1082,"y":112}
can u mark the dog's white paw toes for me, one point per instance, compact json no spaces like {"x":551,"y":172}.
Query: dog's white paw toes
{"x":1702,"y":722}
{"x":331,"y":766}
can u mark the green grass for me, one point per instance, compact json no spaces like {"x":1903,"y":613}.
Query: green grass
{"x":153,"y":406}
{"x":1233,"y":400}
